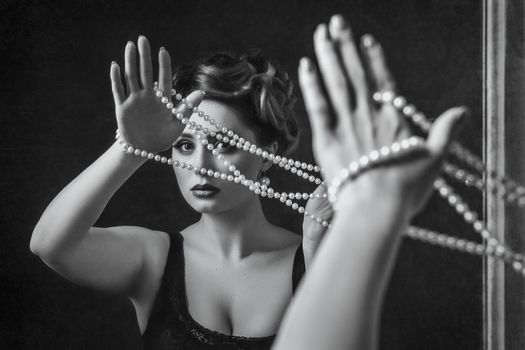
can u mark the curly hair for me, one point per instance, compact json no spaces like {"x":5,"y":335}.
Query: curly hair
{"x":253,"y":85}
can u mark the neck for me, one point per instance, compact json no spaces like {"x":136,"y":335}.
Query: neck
{"x":235,"y":233}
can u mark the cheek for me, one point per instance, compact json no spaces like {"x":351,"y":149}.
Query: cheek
{"x":248,"y":164}
{"x":182,"y":176}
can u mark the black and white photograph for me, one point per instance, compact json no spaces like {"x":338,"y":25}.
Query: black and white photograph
{"x":248,"y":174}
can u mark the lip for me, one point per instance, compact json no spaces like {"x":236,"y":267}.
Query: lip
{"x":205,"y":187}
{"x":204,"y":191}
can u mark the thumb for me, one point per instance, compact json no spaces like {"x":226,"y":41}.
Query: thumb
{"x":445,"y":129}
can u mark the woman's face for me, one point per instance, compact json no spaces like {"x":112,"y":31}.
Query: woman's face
{"x":189,"y":149}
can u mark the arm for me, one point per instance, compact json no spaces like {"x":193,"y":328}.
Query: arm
{"x":64,"y":238}
{"x":339,"y":302}
{"x":113,"y":258}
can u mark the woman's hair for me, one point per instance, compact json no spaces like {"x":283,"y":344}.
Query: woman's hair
{"x":253,"y":85}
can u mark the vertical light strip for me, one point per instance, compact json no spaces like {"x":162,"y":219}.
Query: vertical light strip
{"x":494,"y":34}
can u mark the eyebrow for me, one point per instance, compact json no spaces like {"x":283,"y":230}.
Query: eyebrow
{"x":191,"y":135}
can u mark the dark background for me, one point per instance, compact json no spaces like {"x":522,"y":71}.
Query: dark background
{"x":57,"y":118}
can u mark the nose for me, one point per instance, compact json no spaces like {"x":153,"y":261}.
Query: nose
{"x":204,"y":158}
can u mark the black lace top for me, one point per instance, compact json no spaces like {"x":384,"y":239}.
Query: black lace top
{"x":171,"y":326}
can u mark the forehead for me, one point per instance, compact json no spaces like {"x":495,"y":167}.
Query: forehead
{"x":226,"y":115}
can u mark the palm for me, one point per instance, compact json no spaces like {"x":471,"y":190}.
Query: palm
{"x":143,"y":120}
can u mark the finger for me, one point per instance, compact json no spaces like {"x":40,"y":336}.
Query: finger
{"x":333,"y":75}
{"x":379,"y":73}
{"x":340,"y":31}
{"x":342,"y":34}
{"x":165,"y":72}
{"x":444,"y":129}
{"x":130,"y":67}
{"x":116,"y":84}
{"x":314,"y":99}
{"x":185,"y":110}
{"x":146,"y":69}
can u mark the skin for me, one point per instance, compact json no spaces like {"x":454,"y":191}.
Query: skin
{"x":238,"y":265}
{"x":357,"y":255}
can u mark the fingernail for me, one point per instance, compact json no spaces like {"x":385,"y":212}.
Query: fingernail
{"x":162,"y":48}
{"x":368,"y":41}
{"x":203,"y":92}
{"x":338,"y":22}
{"x":306,"y":64}
{"x":130,"y":43}
{"x":322,"y":31}
{"x":142,"y":37}
{"x":113,"y":62}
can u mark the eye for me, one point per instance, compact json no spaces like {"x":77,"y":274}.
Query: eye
{"x":184,"y":146}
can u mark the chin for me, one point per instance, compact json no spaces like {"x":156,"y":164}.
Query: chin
{"x":206,"y":206}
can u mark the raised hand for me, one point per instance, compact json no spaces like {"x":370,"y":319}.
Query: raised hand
{"x":143,"y":120}
{"x":357,"y":124}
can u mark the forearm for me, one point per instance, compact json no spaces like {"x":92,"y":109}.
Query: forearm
{"x":338,"y":305}
{"x":77,"y":207}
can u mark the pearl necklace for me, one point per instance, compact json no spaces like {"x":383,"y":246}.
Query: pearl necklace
{"x":512,"y":192}
{"x":509,"y":190}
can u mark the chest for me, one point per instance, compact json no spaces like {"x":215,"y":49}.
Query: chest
{"x":247,"y":299}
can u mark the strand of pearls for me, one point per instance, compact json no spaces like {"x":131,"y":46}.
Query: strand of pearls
{"x":229,"y":136}
{"x":375,"y":157}
{"x":511,"y":190}
{"x":254,"y":186}
{"x":515,"y":260}
{"x":515,"y":194}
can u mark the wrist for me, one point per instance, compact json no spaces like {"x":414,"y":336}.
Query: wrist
{"x":367,"y":194}
{"x":124,"y":157}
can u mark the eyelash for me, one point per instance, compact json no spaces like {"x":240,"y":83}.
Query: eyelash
{"x":223,"y":148}
{"x":179,"y":145}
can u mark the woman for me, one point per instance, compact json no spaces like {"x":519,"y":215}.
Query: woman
{"x":224,"y":281}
